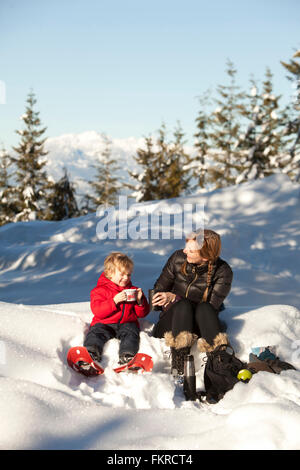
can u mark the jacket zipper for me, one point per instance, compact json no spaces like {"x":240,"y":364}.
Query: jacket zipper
{"x":188,"y":287}
{"x":122,"y":315}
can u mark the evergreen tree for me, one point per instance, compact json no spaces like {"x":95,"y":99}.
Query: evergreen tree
{"x":164,"y":165}
{"x":7,"y":193}
{"x":30,"y":176}
{"x":106,"y":185}
{"x":174,"y":163}
{"x":200,"y":161}
{"x":292,"y":129}
{"x":261,"y":144}
{"x":61,"y":200}
{"x":85,"y":206}
{"x":162,"y":162}
{"x":146,"y":188}
{"x":225,"y":126}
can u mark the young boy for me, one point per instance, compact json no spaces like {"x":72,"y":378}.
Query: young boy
{"x":114,"y":317}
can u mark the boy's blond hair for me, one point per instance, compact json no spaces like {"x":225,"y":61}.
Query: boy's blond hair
{"x":117,"y":260}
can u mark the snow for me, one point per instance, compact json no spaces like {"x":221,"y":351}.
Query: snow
{"x":47,"y":272}
{"x":274,"y":115}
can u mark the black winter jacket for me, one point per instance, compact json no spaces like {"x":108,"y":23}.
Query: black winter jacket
{"x":193,"y":285}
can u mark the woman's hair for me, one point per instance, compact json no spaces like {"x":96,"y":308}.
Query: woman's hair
{"x":209,"y":248}
{"x":117,"y":260}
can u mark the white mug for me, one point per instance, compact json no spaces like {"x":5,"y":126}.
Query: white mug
{"x":131,"y":295}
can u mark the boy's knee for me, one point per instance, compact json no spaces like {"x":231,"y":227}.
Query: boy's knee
{"x":129,"y":329}
{"x":129,"y":336}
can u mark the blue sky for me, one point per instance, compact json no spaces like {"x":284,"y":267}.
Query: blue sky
{"x":124,"y":66}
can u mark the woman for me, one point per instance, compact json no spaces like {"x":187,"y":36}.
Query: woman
{"x":191,"y":289}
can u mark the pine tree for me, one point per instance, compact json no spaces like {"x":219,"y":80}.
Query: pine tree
{"x":162,"y":163}
{"x":271,"y":134}
{"x":31,"y":178}
{"x":177,"y":165}
{"x":261,"y":144}
{"x":251,"y":164}
{"x":292,"y":163}
{"x":224,"y":132}
{"x":106,"y":186}
{"x":7,"y":201}
{"x":61,"y":200}
{"x":146,"y":188}
{"x":164,"y":167}
{"x":200,"y":163}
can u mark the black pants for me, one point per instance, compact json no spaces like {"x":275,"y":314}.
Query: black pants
{"x":201,"y":319}
{"x":100,"y":333}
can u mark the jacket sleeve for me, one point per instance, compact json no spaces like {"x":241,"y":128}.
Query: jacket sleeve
{"x":102,"y":306}
{"x":166,"y":279}
{"x":221,"y":286}
{"x":143,"y":309}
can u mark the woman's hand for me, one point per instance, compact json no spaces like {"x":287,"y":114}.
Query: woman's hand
{"x":120,"y":297}
{"x":139,"y":296}
{"x":163,"y":298}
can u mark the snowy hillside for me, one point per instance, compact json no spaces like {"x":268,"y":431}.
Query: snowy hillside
{"x":47,"y":272}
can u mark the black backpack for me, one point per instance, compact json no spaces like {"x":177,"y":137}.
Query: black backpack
{"x":220,"y":373}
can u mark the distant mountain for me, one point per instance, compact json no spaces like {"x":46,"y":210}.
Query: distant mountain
{"x":78,"y":153}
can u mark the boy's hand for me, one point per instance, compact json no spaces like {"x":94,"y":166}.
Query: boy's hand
{"x":120,"y":297}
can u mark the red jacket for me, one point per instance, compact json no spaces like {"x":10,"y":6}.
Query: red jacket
{"x":106,"y":311}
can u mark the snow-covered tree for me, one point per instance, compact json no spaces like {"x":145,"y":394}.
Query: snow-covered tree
{"x":164,"y":173}
{"x":199,"y":163}
{"x":177,"y":173}
{"x":225,"y":128}
{"x":61,"y":200}
{"x":262,"y":144}
{"x":106,"y":185}
{"x":7,"y":192}
{"x":30,"y":175}
{"x":292,"y":130}
{"x":145,"y":188}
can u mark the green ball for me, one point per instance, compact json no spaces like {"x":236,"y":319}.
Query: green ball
{"x":244,"y":375}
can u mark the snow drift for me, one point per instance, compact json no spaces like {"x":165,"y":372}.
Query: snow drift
{"x":47,"y":272}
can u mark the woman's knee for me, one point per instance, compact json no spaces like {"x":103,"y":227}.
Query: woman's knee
{"x":207,"y":317}
{"x":183,"y":306}
{"x":183,"y":317}
{"x":205,"y":308}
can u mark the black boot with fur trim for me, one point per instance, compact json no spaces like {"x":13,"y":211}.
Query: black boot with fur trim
{"x":206,"y":347}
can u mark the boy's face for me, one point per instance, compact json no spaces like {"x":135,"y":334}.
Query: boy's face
{"x":121,"y":278}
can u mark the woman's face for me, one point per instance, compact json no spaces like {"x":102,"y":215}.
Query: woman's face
{"x":192,"y":253}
